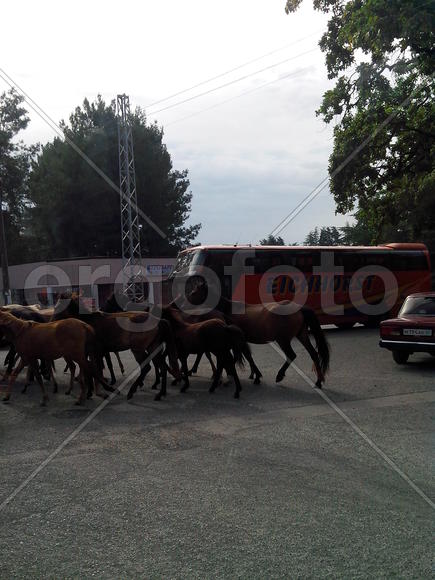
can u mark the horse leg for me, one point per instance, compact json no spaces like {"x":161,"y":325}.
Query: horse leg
{"x":121,"y":366}
{"x":160,"y":363}
{"x":82,"y":395}
{"x":140,"y":358}
{"x":11,"y":358}
{"x":230,"y":367}
{"x":12,"y":378}
{"x":159,"y":373}
{"x":185,"y":373}
{"x":72,"y":367}
{"x":255,"y":371}
{"x":217,"y":374}
{"x":194,"y":369}
{"x":85,"y":379}
{"x":29,"y":378}
{"x":41,"y":383}
{"x":290,"y":357}
{"x":52,"y":377}
{"x":304,"y":339}
{"x":110,"y":367}
{"x":210,"y":360}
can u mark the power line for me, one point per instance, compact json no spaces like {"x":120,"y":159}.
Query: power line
{"x":232,"y":70}
{"x":281,"y":78}
{"x":233,"y":81}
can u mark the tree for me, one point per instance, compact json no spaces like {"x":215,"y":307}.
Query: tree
{"x":312,"y":238}
{"x":327,"y":236}
{"x":272,"y":241}
{"x":381,"y":54}
{"x":15,"y":159}
{"x":77,"y":213}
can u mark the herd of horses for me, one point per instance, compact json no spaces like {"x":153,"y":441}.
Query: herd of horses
{"x":164,"y":337}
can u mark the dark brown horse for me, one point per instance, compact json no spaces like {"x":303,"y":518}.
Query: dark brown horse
{"x":191,"y":317}
{"x":213,"y":336}
{"x":278,"y":322}
{"x":73,"y":340}
{"x":142,"y":333}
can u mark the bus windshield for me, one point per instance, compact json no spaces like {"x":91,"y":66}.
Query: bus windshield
{"x":187,"y":259}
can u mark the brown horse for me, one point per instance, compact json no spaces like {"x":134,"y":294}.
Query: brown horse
{"x":72,"y":339}
{"x":213,"y":336}
{"x":26,"y":313}
{"x":278,"y":322}
{"x":140,"y":332}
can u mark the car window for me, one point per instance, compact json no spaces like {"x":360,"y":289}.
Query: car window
{"x":419,"y":306}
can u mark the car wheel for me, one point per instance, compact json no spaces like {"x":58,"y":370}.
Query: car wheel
{"x":400,"y":356}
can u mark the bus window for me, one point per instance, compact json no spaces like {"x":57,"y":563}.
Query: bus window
{"x":409,"y":261}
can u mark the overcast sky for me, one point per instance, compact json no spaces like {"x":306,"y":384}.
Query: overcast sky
{"x":250,"y":159}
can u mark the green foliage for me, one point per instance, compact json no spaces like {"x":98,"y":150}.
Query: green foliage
{"x":272,"y":241}
{"x":76,"y":213}
{"x":381,"y":54}
{"x":326,"y":236}
{"x":15,"y":160}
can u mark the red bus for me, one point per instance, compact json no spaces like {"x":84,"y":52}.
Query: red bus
{"x":371,"y":283}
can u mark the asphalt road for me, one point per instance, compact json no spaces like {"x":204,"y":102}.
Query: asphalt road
{"x":274,"y":485}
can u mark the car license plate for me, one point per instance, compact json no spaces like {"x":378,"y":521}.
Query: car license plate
{"x":417,"y":332}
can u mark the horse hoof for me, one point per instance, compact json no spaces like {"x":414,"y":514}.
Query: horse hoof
{"x":279,"y":377}
{"x":319,"y":384}
{"x":43,"y":403}
{"x":103,"y":395}
{"x":256,"y":381}
{"x":211,"y":390}
{"x":6,"y":399}
{"x":251,"y":376}
{"x":236,"y":395}
{"x":113,"y":382}
{"x":158,"y":397}
{"x":78,"y":403}
{"x":129,"y":395}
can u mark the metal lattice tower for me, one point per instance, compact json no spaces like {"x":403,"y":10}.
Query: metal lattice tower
{"x":130,"y":230}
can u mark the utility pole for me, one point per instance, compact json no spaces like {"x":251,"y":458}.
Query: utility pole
{"x":130,"y":231}
{"x":4,"y":254}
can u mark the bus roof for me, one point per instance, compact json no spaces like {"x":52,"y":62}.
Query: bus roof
{"x":392,"y":246}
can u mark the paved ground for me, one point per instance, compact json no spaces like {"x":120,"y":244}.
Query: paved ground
{"x":198,"y":486}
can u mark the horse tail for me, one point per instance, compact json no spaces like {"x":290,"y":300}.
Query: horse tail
{"x":322,"y":346}
{"x":238,"y":343}
{"x":167,"y":336}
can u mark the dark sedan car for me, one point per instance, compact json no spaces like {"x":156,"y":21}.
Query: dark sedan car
{"x":413,"y":330}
